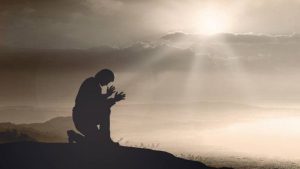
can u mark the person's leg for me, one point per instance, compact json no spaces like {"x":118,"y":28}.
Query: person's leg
{"x":91,"y":132}
{"x":86,"y":125}
{"x":105,"y":127}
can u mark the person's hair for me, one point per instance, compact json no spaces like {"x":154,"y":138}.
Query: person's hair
{"x":105,"y":74}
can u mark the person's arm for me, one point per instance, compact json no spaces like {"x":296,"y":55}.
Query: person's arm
{"x":118,"y":97}
{"x":111,"y":102}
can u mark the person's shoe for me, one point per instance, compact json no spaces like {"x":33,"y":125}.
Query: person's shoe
{"x":71,"y":135}
{"x":75,"y":137}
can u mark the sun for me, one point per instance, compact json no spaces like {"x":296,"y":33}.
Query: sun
{"x":212,"y":22}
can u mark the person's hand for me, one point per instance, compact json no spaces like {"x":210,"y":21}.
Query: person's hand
{"x":119,"y":96}
{"x":110,"y":90}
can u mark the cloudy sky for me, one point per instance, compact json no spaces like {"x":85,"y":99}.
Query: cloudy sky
{"x":225,"y":66}
{"x":90,"y":23}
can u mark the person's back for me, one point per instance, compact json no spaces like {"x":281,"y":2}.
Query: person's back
{"x":87,"y":94}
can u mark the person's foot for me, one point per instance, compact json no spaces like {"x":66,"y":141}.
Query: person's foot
{"x":74,"y":137}
{"x":71,"y":138}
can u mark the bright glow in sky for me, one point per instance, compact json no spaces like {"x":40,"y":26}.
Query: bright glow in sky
{"x":213,"y":21}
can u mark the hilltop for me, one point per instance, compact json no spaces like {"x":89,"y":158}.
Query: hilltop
{"x":33,"y":155}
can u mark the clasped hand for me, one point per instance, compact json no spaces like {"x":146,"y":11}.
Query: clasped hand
{"x":118,"y":96}
{"x":110,"y":90}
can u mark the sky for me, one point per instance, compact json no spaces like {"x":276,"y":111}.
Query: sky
{"x":229,"y":67}
{"x":92,"y":23}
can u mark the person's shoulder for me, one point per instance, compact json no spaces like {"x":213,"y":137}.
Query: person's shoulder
{"x":89,"y":80}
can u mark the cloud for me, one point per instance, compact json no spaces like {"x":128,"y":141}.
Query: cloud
{"x":59,"y":23}
{"x":232,"y":38}
{"x":255,"y":52}
{"x":119,"y":59}
{"x":89,"y":23}
{"x":56,"y":10}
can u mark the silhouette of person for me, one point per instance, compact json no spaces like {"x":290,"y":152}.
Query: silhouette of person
{"x":92,"y":108}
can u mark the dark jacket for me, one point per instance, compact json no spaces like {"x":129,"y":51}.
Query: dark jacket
{"x":91,"y":106}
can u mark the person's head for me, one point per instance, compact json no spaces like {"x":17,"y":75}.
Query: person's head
{"x":105,"y":76}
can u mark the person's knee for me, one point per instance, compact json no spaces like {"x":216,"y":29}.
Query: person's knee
{"x":86,"y":128}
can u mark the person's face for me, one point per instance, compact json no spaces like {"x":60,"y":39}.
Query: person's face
{"x":105,"y":82}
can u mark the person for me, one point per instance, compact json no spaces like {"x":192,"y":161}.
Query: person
{"x":93,"y":108}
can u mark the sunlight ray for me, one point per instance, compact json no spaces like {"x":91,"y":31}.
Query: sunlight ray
{"x":241,"y":77}
{"x":148,"y":65}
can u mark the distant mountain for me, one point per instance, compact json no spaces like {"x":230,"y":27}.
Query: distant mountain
{"x":53,"y":130}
